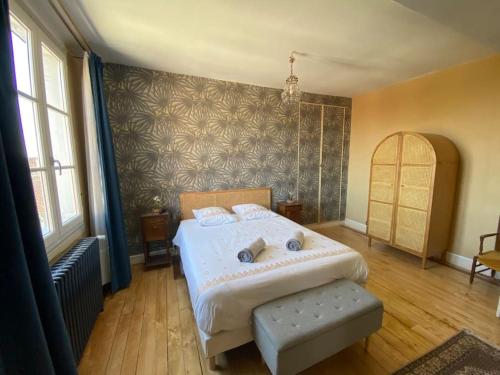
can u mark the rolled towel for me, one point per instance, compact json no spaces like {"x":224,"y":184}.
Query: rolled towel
{"x":250,"y":252}
{"x":296,"y":242}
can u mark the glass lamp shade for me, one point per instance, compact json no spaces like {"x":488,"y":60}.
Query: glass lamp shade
{"x":291,"y":92}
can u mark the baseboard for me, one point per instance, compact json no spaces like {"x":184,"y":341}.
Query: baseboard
{"x":326,"y":224}
{"x":462,"y":262}
{"x":458,"y":261}
{"x":136,"y":259}
{"x":355,"y":225}
{"x":139,"y":258}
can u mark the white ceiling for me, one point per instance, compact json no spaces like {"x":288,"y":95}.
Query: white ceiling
{"x":354,"y":46}
{"x":478,"y":19}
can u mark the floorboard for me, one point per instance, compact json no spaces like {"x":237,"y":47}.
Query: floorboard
{"x":149,"y":328}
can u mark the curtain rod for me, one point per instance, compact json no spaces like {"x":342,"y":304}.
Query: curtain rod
{"x":70,"y":25}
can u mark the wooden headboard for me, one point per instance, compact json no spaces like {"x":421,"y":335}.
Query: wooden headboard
{"x":222,"y":198}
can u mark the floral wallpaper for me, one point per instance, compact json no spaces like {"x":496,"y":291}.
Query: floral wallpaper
{"x":321,"y":162}
{"x":333,"y":164}
{"x":176,"y":133}
{"x":310,"y":138}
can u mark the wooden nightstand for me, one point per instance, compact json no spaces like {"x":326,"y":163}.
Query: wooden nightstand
{"x":155,"y":227}
{"x":292,"y":211}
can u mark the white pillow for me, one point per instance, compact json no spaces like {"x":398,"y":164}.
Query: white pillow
{"x":210,"y":216}
{"x":251,"y":211}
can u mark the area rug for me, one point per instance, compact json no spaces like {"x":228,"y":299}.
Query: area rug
{"x":463,"y":354}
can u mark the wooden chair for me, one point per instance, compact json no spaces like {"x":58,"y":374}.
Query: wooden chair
{"x":488,"y":259}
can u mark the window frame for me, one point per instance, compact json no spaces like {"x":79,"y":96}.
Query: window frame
{"x":61,"y":232}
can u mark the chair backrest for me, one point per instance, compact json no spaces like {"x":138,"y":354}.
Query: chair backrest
{"x":497,"y":242}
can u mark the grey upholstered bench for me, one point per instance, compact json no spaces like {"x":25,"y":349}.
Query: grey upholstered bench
{"x":297,"y":331}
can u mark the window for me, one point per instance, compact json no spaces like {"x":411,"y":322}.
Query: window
{"x":48,"y":135}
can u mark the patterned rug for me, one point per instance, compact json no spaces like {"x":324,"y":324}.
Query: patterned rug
{"x":463,"y":354}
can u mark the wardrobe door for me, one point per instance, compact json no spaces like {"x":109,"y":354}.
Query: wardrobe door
{"x":309,"y":160}
{"x":415,"y":184}
{"x":331,"y":163}
{"x":383,"y":188}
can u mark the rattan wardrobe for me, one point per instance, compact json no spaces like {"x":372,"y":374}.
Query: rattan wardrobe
{"x":412,"y":193}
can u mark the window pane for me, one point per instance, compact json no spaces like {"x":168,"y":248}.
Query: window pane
{"x":31,"y":131}
{"x":42,"y":201}
{"x":60,"y":137}
{"x":54,"y":79}
{"x":66,"y":191}
{"x":21,"y":45}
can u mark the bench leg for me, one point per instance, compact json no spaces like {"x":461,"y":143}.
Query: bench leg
{"x":211,"y":363}
{"x":367,"y":342}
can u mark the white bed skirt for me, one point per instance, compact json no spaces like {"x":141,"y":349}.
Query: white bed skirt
{"x":224,"y":341}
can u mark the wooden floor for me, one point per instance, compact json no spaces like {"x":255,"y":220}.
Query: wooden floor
{"x":149,"y":328}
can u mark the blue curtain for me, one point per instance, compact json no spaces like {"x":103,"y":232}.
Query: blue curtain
{"x":33,"y":337}
{"x":115,"y":226}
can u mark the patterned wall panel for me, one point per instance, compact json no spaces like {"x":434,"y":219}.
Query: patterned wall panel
{"x":176,"y":133}
{"x":321,"y":135}
{"x":310,"y":141}
{"x":331,"y":165}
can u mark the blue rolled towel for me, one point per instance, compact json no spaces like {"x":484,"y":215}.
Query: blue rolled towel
{"x":296,"y":242}
{"x":250,"y":252}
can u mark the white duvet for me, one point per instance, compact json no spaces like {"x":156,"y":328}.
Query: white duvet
{"x":224,"y":291}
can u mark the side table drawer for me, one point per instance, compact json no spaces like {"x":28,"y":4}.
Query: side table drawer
{"x":295,"y":215}
{"x":154,"y":229}
{"x":294,"y":209}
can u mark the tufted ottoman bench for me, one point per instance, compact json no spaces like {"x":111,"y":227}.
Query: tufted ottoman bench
{"x":297,"y":331}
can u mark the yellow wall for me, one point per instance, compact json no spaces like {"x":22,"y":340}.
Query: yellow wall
{"x":461,"y":103}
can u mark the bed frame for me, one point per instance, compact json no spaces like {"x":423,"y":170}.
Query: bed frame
{"x":226,"y":340}
{"x":222,"y":198}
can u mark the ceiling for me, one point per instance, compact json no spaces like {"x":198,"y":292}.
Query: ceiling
{"x":478,"y":19}
{"x":48,"y":20}
{"x":351,"y":46}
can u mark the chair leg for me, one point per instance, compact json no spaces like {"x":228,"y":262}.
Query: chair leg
{"x":367,"y":343}
{"x":493,"y":273}
{"x":473,"y":270}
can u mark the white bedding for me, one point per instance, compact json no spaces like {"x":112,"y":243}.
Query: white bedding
{"x":224,"y":291}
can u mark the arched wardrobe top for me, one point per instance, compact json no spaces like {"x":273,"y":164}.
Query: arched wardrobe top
{"x":420,"y":148}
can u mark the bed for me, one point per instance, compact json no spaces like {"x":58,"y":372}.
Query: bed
{"x":224,"y":292}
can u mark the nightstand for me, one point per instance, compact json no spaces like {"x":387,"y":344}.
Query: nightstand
{"x":292,"y":211}
{"x":156,"y":227}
